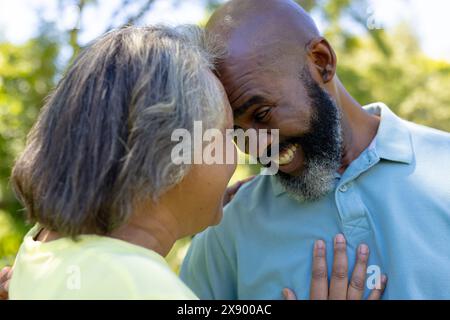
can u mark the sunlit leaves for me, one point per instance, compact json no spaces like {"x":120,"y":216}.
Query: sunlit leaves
{"x":27,"y":73}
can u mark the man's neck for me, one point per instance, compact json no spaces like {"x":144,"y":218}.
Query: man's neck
{"x":359,"y":127}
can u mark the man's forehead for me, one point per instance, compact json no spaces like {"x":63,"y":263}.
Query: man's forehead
{"x":242,"y":85}
{"x":260,"y":42}
{"x":246,"y":77}
{"x":256,"y":67}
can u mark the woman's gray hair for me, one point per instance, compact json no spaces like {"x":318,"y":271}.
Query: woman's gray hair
{"x":103,"y":139}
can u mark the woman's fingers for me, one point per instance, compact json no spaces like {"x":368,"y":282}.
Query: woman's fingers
{"x":377,"y":293}
{"x":340,"y":288}
{"x":358,"y":280}
{"x":5,"y":276}
{"x":232,"y":190}
{"x":288,"y":294}
{"x":319,"y":279}
{"x":339,"y":273}
{"x":4,"y":273}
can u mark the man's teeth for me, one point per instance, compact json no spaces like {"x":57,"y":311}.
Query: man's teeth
{"x":286,"y":155}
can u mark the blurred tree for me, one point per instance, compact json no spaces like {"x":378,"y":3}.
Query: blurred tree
{"x":412,"y":84}
{"x":27,"y":73}
{"x":128,"y":12}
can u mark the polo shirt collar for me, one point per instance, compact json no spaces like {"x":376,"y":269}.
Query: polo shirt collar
{"x":393,"y":139}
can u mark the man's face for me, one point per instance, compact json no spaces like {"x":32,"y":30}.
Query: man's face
{"x":281,"y":95}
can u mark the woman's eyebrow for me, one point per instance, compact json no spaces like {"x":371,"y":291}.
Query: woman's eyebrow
{"x":237,"y":112}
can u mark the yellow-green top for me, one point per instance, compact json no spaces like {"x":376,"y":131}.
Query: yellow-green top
{"x":93,"y":267}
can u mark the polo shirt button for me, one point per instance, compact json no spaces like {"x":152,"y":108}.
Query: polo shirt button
{"x":343,"y":188}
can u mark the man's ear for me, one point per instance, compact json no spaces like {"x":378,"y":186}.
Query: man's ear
{"x":323,"y":58}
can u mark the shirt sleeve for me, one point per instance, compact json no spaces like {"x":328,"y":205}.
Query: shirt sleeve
{"x":208,"y":269}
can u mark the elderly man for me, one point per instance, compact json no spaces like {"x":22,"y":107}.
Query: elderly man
{"x":359,"y":171}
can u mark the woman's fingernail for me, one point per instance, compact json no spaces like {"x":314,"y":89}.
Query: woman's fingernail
{"x":320,"y":244}
{"x":339,"y":238}
{"x":363,"y":249}
{"x":383,"y":278}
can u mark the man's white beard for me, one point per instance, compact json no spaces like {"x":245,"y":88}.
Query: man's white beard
{"x":317,"y":180}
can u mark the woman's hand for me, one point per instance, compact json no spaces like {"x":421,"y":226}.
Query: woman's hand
{"x":340,"y":288}
{"x":5,"y":277}
{"x":231,"y":191}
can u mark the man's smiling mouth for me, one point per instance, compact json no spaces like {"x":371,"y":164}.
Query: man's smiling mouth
{"x":286,"y":154}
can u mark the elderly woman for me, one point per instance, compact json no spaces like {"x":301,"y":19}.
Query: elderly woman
{"x":97,"y":177}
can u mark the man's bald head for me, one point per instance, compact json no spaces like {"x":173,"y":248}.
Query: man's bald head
{"x":268,"y":27}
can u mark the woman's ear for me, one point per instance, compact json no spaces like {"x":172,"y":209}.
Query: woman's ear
{"x":322,"y":57}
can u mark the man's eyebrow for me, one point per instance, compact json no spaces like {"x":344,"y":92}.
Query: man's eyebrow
{"x":246,"y":105}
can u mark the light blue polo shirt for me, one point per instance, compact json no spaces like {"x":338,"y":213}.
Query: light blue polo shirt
{"x":395,"y":197}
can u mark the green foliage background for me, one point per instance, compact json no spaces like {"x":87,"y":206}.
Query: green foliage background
{"x":374,"y":65}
